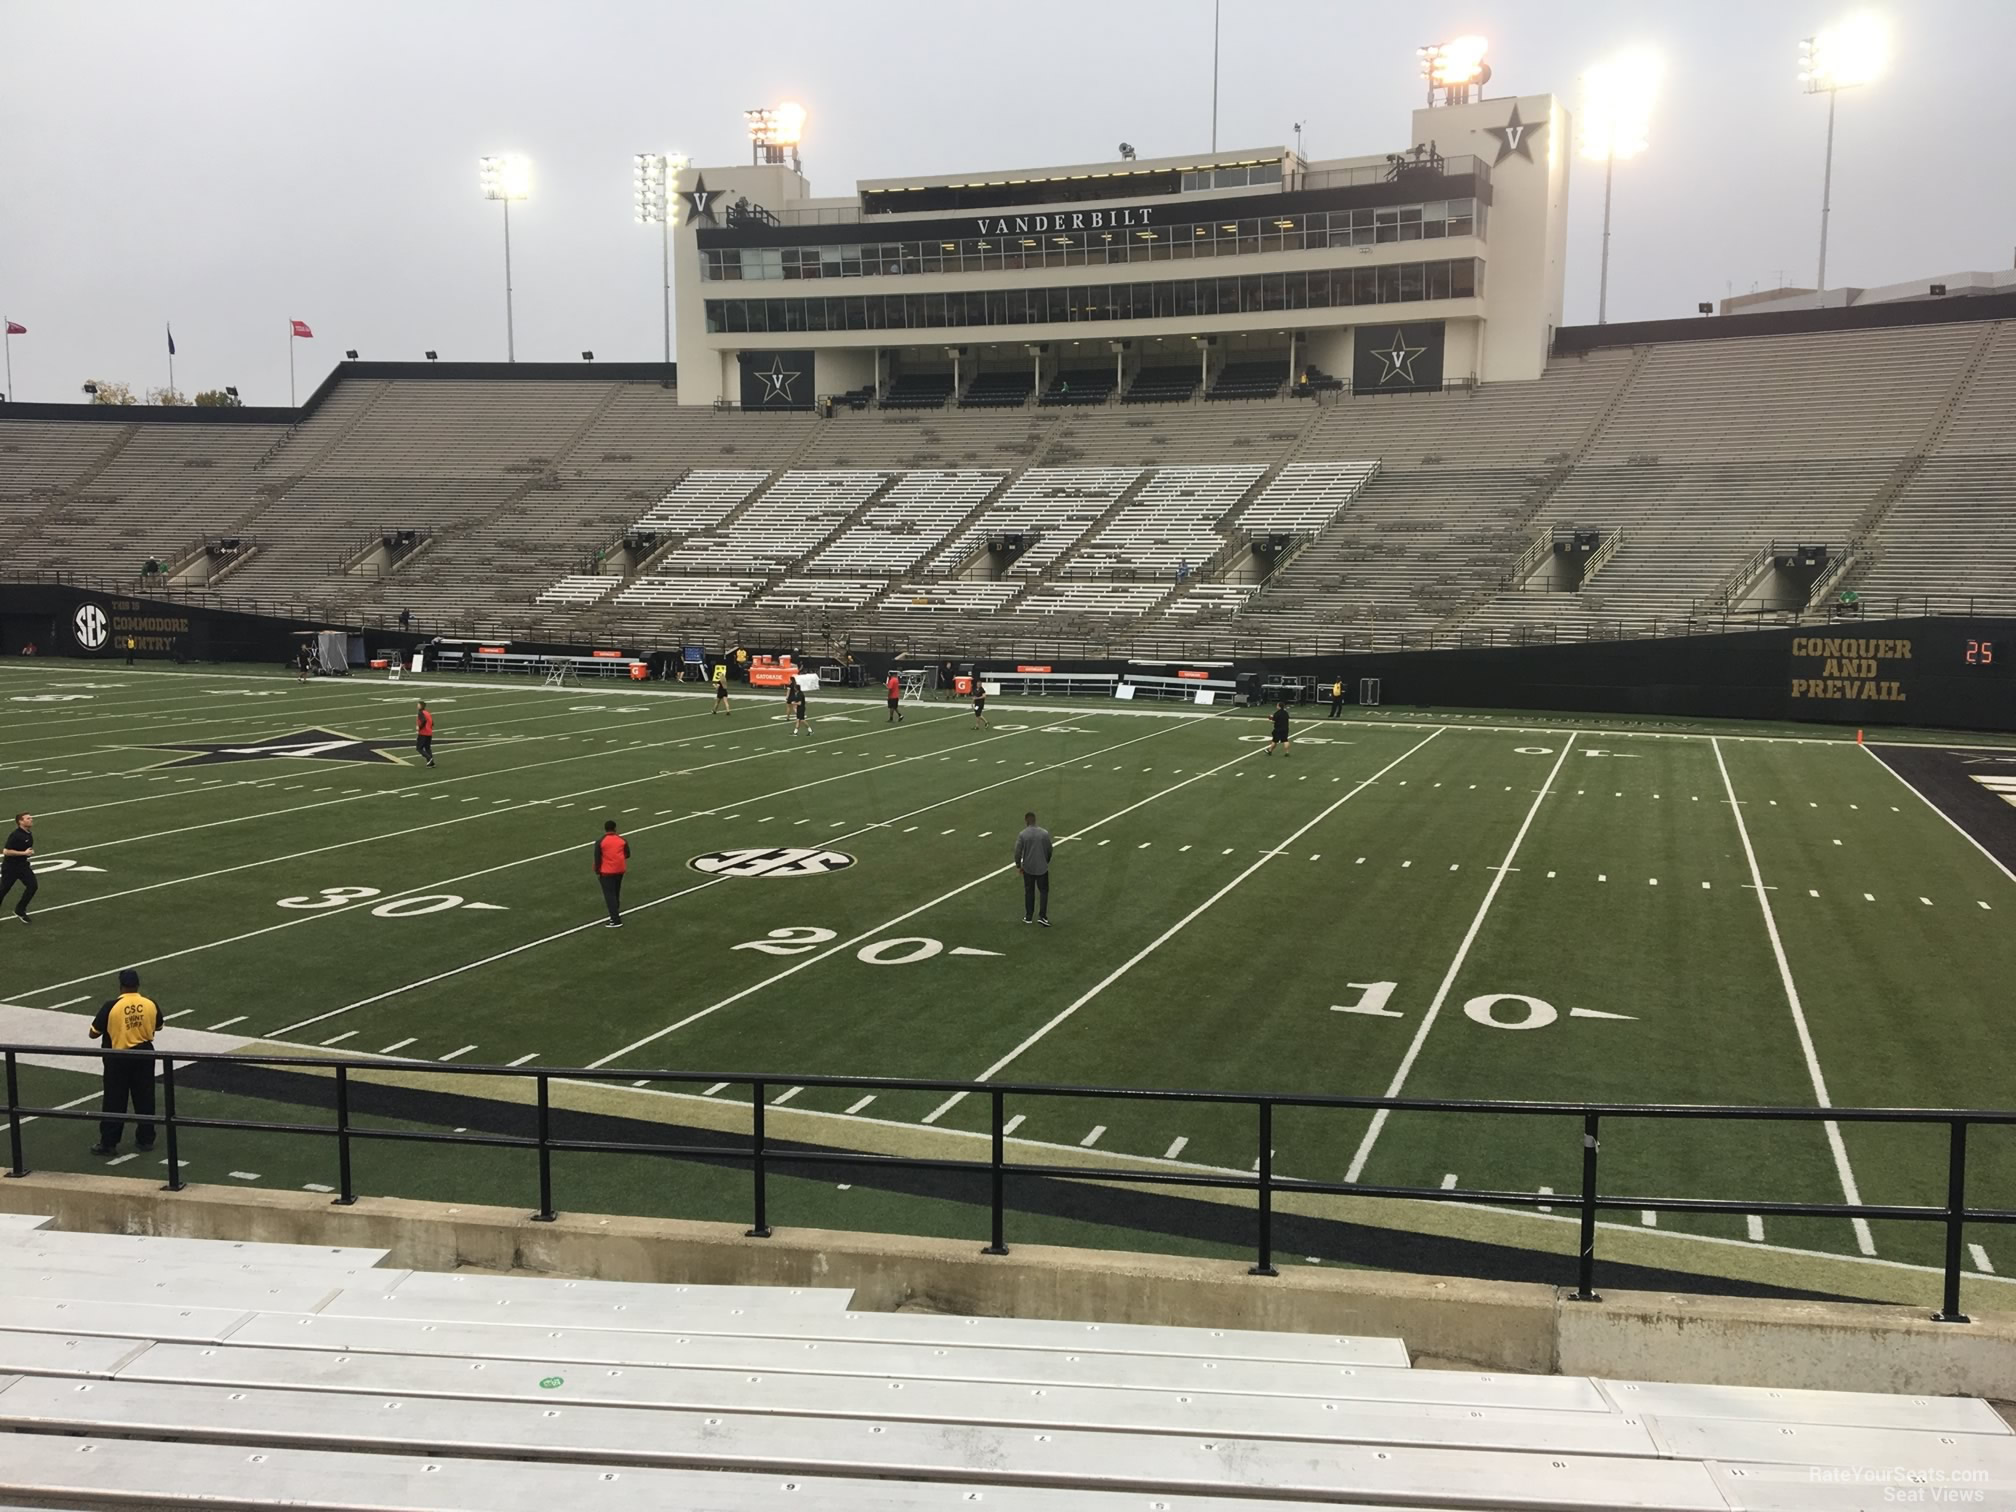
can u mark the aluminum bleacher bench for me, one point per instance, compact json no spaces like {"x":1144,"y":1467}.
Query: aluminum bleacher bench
{"x":155,"y":1249}
{"x":899,"y":1449}
{"x":1403,"y":1391}
{"x":529,"y":1294}
{"x":1066,"y":683}
{"x":106,"y":1318}
{"x":131,"y":1472}
{"x":784,"y":1353}
{"x":330,"y":1329}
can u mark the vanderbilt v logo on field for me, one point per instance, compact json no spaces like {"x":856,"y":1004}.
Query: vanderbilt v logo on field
{"x":302,"y":745}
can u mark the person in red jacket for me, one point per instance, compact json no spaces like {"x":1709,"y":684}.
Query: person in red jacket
{"x":612,"y":860}
{"x":423,"y":728}
{"x":895,"y":699}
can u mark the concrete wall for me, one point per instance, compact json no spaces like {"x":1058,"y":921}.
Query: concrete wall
{"x":1445,"y":1321}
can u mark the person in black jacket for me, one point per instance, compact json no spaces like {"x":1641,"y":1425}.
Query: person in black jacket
{"x":1280,"y":736}
{"x":17,"y":865}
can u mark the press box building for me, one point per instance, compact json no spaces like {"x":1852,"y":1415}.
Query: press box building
{"x":1438,"y":263}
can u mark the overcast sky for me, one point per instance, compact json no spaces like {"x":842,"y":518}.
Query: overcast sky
{"x":231,"y":164}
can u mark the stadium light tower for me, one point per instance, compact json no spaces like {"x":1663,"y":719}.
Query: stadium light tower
{"x":1617,"y":97}
{"x":1454,"y":68}
{"x":1848,"y":53}
{"x":506,"y":177}
{"x":654,"y":205}
{"x":774,"y":129}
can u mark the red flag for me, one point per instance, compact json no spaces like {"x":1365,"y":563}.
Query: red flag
{"x":301,"y":328}
{"x":15,"y":328}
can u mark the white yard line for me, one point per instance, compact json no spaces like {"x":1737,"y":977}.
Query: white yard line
{"x":1992,"y":861}
{"x":944,"y":897}
{"x":670,"y":897}
{"x":443,"y":882}
{"x":1863,"y":1239}
{"x":1170,"y":933}
{"x":1498,"y":875}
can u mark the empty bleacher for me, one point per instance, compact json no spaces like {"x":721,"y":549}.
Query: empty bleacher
{"x":789,"y":519}
{"x":366,"y":1388}
{"x":1249,"y":380}
{"x":1055,"y":505}
{"x":824,"y":595}
{"x":913,"y":518}
{"x":1168,"y":526}
{"x":917,"y":391}
{"x":998,"y":390}
{"x":1695,"y":455}
{"x":1161,"y":385}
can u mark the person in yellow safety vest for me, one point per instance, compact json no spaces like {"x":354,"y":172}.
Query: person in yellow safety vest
{"x":127,"y":1022}
{"x":1337,"y":698}
{"x":721,"y":688}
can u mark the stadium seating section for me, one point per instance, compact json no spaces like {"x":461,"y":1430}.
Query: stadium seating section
{"x":602,"y":509}
{"x":138,"y":1371}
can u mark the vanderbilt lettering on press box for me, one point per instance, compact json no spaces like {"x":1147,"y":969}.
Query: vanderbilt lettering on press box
{"x":1857,"y":669}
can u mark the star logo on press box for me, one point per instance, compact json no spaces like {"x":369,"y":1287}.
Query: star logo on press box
{"x":1397,"y":359}
{"x":777,"y":380}
{"x":1514,"y":136}
{"x":700,"y":203}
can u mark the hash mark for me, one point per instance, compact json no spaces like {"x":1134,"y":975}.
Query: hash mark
{"x":1449,"y":1182}
{"x":1980,"y":1258}
{"x":713,"y":1089}
{"x":452,"y":1054}
{"x":396,"y":1045}
{"x":1754,"y":1226}
{"x":858,"y":1106}
{"x":1176,"y":1148}
{"x":1097,"y":1129}
{"x":1013,"y":1124}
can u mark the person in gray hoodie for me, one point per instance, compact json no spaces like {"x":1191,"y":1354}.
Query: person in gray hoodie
{"x":1032,"y":860}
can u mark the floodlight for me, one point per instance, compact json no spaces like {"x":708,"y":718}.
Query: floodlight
{"x":231,"y":391}
{"x":1454,"y":66}
{"x":433,"y":356}
{"x":587,"y":356}
{"x":1704,"y":308}
{"x":351,"y":354}
{"x":506,"y":176}
{"x":773,"y":130}
{"x":1617,"y":96}
{"x":1848,"y":53}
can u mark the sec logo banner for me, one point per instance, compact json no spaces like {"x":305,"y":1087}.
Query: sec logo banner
{"x":90,"y":624}
{"x":771,"y":861}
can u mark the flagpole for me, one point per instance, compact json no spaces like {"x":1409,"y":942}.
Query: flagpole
{"x":290,"y":365}
{"x":10,"y":366}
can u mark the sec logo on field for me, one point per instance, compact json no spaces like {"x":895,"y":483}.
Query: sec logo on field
{"x":771,"y":861}
{"x":90,"y":625}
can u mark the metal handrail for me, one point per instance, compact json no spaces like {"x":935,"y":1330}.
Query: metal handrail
{"x":762,"y":1152}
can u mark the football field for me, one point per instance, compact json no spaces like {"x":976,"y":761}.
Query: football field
{"x":1407,"y":904}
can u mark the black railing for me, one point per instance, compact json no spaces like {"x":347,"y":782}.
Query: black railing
{"x":762,"y":1153}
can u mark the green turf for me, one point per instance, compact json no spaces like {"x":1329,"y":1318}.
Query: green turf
{"x":1215,"y":911}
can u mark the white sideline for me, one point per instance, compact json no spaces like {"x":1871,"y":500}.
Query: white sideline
{"x":1863,"y":1239}
{"x":687,"y":891}
{"x":1993,"y":860}
{"x":1171,"y":932}
{"x":1498,"y":875}
{"x":869,"y":934}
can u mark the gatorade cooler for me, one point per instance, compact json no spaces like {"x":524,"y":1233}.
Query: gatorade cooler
{"x":963,"y":686}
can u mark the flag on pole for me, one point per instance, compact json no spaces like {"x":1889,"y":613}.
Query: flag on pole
{"x":301,"y":328}
{"x":15,"y":328}
{"x":171,"y":341}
